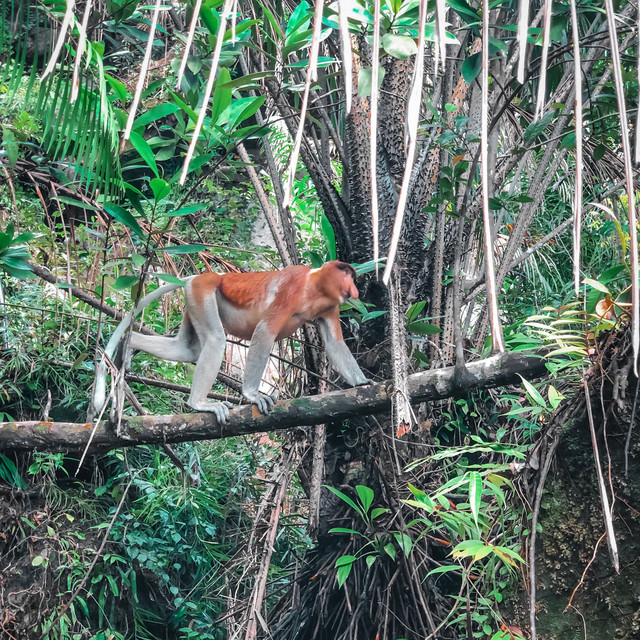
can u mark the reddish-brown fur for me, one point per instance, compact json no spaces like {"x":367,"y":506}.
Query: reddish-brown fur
{"x":300,"y":295}
{"x":261,"y":307}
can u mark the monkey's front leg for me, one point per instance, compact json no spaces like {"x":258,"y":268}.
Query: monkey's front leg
{"x":257,"y":358}
{"x":340,"y":357}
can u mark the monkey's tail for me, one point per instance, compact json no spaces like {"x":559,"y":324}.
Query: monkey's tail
{"x":99,"y":396}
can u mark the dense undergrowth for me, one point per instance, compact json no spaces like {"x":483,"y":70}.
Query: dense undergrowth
{"x":423,"y":533}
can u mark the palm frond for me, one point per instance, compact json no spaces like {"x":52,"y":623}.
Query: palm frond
{"x":81,"y":131}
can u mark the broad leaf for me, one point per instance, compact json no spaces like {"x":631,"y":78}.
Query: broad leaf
{"x":124,"y":217}
{"x":398,"y":46}
{"x":143,"y":148}
{"x":364,"y":81}
{"x":125,"y":282}
{"x":366,"y":496}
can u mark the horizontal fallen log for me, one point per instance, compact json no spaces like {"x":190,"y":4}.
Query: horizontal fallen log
{"x":434,"y":384}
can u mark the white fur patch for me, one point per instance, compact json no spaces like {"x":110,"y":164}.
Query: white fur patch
{"x":272,"y":291}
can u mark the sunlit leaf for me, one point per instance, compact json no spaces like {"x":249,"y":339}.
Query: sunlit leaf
{"x":399,"y":46}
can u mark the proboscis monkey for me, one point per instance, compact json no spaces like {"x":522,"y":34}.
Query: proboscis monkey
{"x":261,"y":307}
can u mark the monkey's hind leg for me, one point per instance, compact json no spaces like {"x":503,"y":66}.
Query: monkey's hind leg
{"x":212,"y":338}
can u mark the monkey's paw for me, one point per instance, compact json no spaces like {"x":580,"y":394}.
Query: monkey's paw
{"x":220,"y":409}
{"x":263,"y":402}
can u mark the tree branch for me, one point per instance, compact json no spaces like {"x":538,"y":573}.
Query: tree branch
{"x":339,"y":405}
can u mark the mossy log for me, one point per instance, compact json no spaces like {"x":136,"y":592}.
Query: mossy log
{"x":424,"y":386}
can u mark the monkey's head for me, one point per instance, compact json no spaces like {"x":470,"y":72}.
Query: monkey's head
{"x":344,"y":276}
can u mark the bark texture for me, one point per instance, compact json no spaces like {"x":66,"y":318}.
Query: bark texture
{"x":338,"y":405}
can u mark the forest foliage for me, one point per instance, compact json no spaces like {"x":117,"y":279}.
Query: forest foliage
{"x":458,"y":140}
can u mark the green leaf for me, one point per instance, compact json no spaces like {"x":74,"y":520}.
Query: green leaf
{"x":400,"y":47}
{"x":137,"y":259}
{"x":390,"y":550}
{"x":329,"y":236}
{"x":184,"y":249}
{"x":196,"y":163}
{"x":364,"y":81}
{"x":343,"y":573}
{"x":378,"y":511}
{"x":322,"y":61}
{"x":419,"y":504}
{"x":240,"y":110}
{"x":244,"y":81}
{"x":210,"y":19}
{"x":533,"y":393}
{"x":465,"y":10}
{"x":555,"y":397}
{"x":125,"y":282}
{"x":475,"y":549}
{"x":275,"y":24}
{"x":143,"y":148}
{"x":404,"y":542}
{"x":351,"y":532}
{"x":119,"y":88}
{"x":471,"y":67}
{"x":446,"y":569}
{"x":156,"y":113}
{"x":498,"y":44}
{"x":366,"y":496}
{"x":599,"y":152}
{"x":523,"y":198}
{"x":370,"y":559}
{"x":161,"y":189}
{"x":423,"y":328}
{"x":221,"y":95}
{"x":194,"y":63}
{"x":344,"y":498}
{"x":166,"y":152}
{"x":124,"y":217}
{"x":569,"y":142}
{"x":536,"y":128}
{"x":20,"y":273}
{"x":10,"y":145}
{"x":596,"y":285}
{"x":193,"y":116}
{"x":610,"y":274}
{"x":76,"y":203}
{"x":415,"y":310}
{"x":121,"y":9}
{"x":475,"y":494}
{"x":300,"y":18}
{"x":505,"y":551}
{"x":185,"y":211}
{"x":343,"y":560}
{"x":171,"y":279}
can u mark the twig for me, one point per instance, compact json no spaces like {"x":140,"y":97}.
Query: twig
{"x":92,"y":301}
{"x":627,"y":443}
{"x":584,"y":573}
{"x":606,"y":510}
